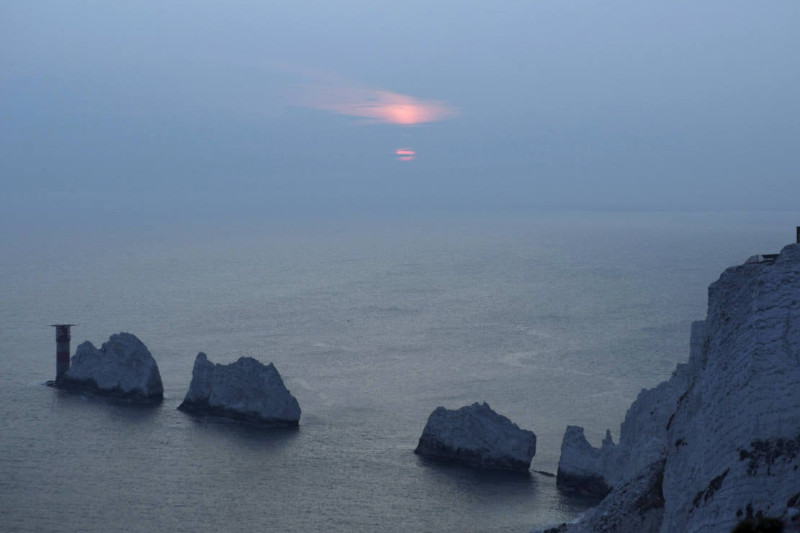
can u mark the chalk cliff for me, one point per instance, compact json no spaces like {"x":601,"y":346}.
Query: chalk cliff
{"x":477,"y":436}
{"x":719,"y":443}
{"x":244,"y":390}
{"x":123,"y":366}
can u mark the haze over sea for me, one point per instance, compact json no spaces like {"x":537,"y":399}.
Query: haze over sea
{"x":553,"y":318}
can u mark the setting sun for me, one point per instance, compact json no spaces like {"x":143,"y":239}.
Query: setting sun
{"x":405,"y":154}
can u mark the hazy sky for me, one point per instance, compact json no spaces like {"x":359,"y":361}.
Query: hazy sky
{"x":258,"y":106}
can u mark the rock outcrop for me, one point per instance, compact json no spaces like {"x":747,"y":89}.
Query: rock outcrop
{"x":122,"y":367}
{"x":642,"y":441}
{"x":583,"y":468}
{"x":245,"y":390}
{"x":477,"y":436}
{"x":719,"y":443}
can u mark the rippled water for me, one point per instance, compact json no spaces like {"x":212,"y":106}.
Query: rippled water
{"x":552,"y":318}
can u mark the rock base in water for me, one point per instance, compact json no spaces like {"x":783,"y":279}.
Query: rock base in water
{"x":205,"y":409}
{"x":594,"y":486}
{"x":92,"y":388}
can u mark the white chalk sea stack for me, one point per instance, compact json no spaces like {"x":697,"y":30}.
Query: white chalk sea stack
{"x":123,"y":367}
{"x":595,"y":471}
{"x":719,"y":443}
{"x":244,"y":390}
{"x":477,"y":436}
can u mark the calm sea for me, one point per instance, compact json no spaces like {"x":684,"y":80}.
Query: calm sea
{"x":552,"y":318}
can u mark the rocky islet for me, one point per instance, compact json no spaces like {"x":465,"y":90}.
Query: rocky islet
{"x":475,"y":435}
{"x":122,"y":367}
{"x":244,"y":390}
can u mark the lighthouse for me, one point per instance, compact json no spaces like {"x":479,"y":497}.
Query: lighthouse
{"x":62,"y":349}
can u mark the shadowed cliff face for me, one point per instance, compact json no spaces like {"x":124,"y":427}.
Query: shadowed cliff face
{"x":741,"y":413}
{"x":728,"y":423}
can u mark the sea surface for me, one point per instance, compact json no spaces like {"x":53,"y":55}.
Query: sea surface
{"x":552,"y":318}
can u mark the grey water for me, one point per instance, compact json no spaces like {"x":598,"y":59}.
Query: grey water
{"x":552,"y":318}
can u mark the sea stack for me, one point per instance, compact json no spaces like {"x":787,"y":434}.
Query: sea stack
{"x":717,"y":446}
{"x":245,"y":390}
{"x":476,"y":436}
{"x":122,"y":367}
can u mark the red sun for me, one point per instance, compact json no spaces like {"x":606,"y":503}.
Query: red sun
{"x":405,"y":154}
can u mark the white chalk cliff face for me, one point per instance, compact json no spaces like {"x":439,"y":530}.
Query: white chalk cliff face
{"x":244,"y":390}
{"x":123,"y":366}
{"x":719,"y":442}
{"x":477,"y":436}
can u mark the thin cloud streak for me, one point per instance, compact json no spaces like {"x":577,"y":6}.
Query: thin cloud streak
{"x":378,"y":106}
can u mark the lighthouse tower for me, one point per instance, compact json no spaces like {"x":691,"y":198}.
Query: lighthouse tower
{"x":62,"y":349}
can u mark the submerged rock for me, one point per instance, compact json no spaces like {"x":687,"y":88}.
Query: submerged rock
{"x":477,"y":436}
{"x":245,"y":390}
{"x":122,"y":367}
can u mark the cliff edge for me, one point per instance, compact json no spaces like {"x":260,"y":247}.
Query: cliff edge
{"x":719,"y":443}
